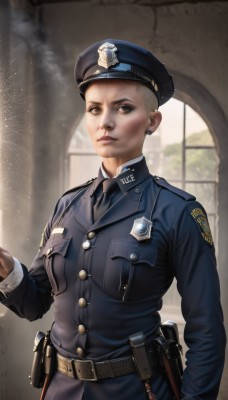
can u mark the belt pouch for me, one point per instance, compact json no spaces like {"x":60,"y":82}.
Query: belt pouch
{"x":140,"y":356}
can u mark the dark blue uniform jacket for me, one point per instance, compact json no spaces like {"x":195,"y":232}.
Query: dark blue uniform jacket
{"x":102,"y":278}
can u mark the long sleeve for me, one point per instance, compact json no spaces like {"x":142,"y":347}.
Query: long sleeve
{"x":194,"y":263}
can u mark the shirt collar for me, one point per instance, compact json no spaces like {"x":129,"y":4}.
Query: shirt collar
{"x":122,"y":168}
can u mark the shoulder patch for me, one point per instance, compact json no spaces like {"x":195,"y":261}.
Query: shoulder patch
{"x":166,"y":185}
{"x":201,"y":218}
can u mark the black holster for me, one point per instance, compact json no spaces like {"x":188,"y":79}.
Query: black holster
{"x":169,"y":354}
{"x":170,"y":332}
{"x":165,"y":355}
{"x":44,"y":359}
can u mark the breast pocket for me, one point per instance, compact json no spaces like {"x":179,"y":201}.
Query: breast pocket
{"x":55,"y":252}
{"x":128,"y":270}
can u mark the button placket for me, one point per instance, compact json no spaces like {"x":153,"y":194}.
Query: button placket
{"x":83,"y":274}
{"x":83,"y":290}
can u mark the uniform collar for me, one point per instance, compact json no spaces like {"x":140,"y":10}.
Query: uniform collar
{"x":132,"y":173}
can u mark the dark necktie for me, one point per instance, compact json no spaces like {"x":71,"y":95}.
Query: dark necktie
{"x":104,"y":201}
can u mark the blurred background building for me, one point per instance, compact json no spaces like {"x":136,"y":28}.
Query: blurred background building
{"x":44,"y":148}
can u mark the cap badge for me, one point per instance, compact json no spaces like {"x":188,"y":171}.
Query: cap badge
{"x":141,"y":229}
{"x":107,"y":56}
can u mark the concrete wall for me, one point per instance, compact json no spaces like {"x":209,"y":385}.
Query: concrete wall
{"x":40,"y":108}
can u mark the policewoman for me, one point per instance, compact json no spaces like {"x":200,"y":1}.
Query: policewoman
{"x":113,"y":246}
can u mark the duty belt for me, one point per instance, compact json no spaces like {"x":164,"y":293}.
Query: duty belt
{"x":88,"y":370}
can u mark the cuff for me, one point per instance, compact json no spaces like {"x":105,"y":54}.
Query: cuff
{"x":13,"y":279}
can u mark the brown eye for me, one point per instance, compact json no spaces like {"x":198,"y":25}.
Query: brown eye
{"x":93,"y":110}
{"x":125,"y":108}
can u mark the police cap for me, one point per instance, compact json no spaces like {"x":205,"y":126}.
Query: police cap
{"x":119,"y":59}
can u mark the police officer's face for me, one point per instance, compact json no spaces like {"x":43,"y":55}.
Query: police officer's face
{"x":118,"y":113}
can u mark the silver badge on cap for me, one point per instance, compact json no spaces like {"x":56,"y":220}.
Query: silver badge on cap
{"x":107,"y":56}
{"x":141,"y":229}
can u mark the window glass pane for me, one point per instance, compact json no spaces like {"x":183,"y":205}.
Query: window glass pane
{"x":201,"y":164}
{"x":153,"y":153}
{"x":80,"y":140}
{"x":212,"y":223}
{"x":171,"y":127}
{"x":163,"y":150}
{"x":205,"y":193}
{"x":82,"y":167}
{"x":172,"y":161}
{"x":197,"y":133}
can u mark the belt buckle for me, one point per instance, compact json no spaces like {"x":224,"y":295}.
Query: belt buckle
{"x":81,"y":368}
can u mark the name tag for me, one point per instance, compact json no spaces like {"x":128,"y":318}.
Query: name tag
{"x":58,"y":230}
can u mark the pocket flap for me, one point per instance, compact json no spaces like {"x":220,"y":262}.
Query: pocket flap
{"x":56,"y":246}
{"x":123,"y":249}
{"x":134,"y":252}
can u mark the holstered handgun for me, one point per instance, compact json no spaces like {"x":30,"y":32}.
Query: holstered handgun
{"x":169,"y":352}
{"x":170,"y":332}
{"x":165,"y":353}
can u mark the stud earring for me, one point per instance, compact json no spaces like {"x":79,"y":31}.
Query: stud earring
{"x":148,"y":132}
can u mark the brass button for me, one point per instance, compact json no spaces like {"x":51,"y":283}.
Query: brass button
{"x":82,"y":275}
{"x":91,"y":235}
{"x":80,"y":352}
{"x":81,"y":329}
{"x":82,"y":302}
{"x":86,"y":245}
{"x":133,"y":257}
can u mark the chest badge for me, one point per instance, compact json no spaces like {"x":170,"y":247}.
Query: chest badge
{"x":141,"y":229}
